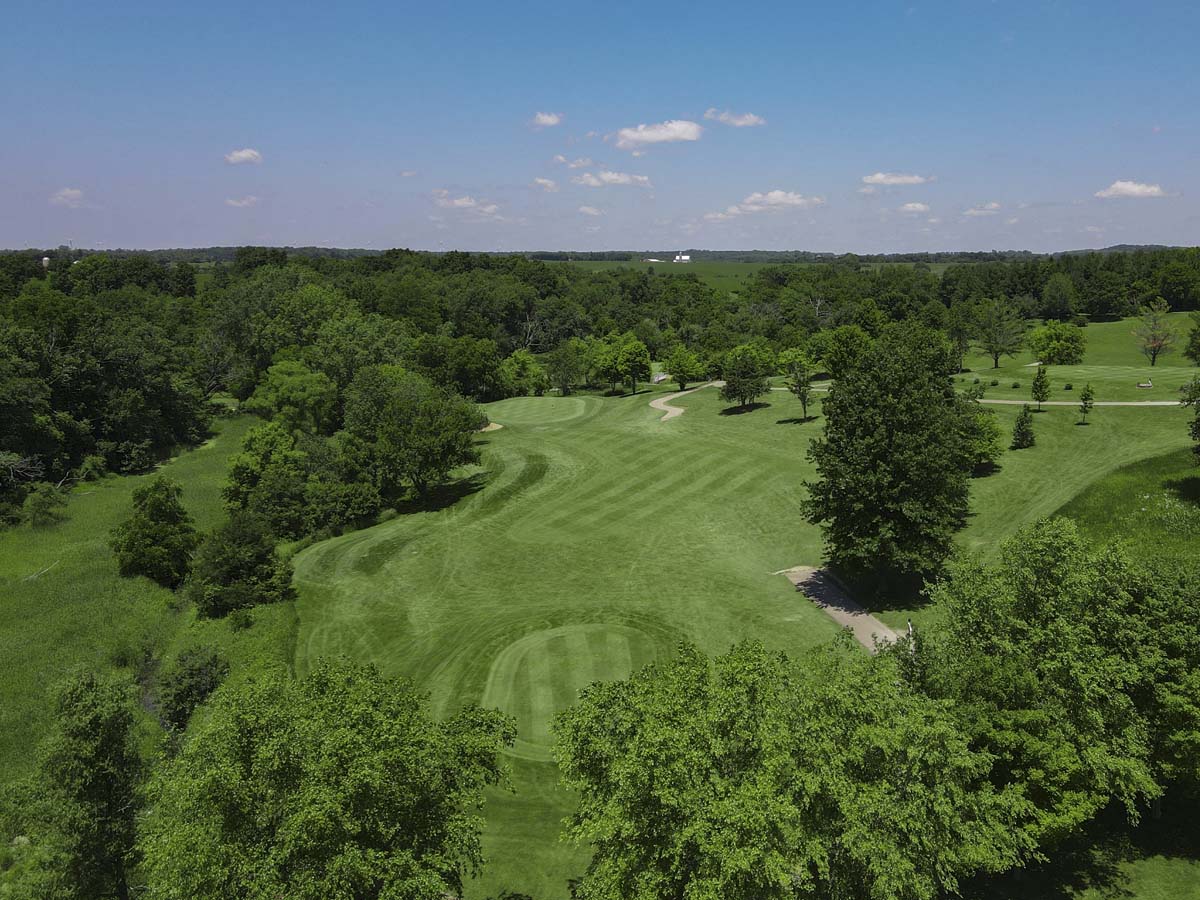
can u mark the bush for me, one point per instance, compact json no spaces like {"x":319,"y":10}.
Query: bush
{"x":240,"y":619}
{"x":1058,"y":343}
{"x":237,"y":567}
{"x":43,"y":505}
{"x":995,"y":381}
{"x":196,"y":674}
{"x":1068,"y":386}
{"x":158,"y":539}
{"x":1016,"y":384}
{"x":93,"y":468}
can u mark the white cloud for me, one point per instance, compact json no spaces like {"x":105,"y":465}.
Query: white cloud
{"x":72,"y":198}
{"x":484,"y":211}
{"x":663,"y":133}
{"x":896,"y":178}
{"x":868,"y":189}
{"x":242,"y":202}
{"x":737,"y":120}
{"x":1130,"y":189}
{"x":934,"y":220}
{"x":915,"y":208}
{"x":771,"y":201}
{"x":606,"y":178}
{"x":1093,"y":229}
{"x":1013,"y":221}
{"x":547,"y":119}
{"x":546,"y":184}
{"x":581,"y":163}
{"x":591,"y":211}
{"x":983,"y":209}
{"x":245,"y":155}
{"x":408,"y":173}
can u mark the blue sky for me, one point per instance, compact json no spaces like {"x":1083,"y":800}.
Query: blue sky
{"x":976,"y":125}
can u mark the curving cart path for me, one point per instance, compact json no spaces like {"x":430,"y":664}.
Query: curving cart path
{"x":663,"y":404}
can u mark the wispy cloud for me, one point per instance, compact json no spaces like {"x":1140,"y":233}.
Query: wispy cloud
{"x":242,"y":202}
{"x":915,"y":208}
{"x":408,"y":173}
{"x":479,"y":209}
{"x":591,"y":211}
{"x":771,"y":201}
{"x":604,"y":178}
{"x":1130,"y":189}
{"x":71,"y":198}
{"x":640,"y":136}
{"x":983,"y":209}
{"x":549,"y":185}
{"x":245,"y":155}
{"x":737,"y":120}
{"x":581,"y":163}
{"x":547,"y":119}
{"x":896,"y":178}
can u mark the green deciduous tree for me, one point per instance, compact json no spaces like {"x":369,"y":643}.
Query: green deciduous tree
{"x":999,"y":330}
{"x":893,"y":461}
{"x":237,"y":567}
{"x":1041,"y":660}
{"x":1023,"y":429}
{"x":1190,"y":396}
{"x":755,"y":778}
{"x":746,"y":370}
{"x":72,"y":826}
{"x":297,"y":397}
{"x":523,"y":374}
{"x":1192,"y":349}
{"x":798,"y":369}
{"x":1040,"y":390}
{"x":633,"y":363}
{"x":338,"y":786}
{"x":1058,"y":344}
{"x":684,"y":366}
{"x":1087,"y":400}
{"x":566,"y":365}
{"x":158,"y":539}
{"x":840,"y":349}
{"x":414,"y":432}
{"x":1154,"y":333}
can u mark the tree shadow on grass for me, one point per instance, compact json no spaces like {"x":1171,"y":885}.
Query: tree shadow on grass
{"x":799,"y":420}
{"x":1186,"y":488}
{"x":741,"y":410}
{"x":444,"y":495}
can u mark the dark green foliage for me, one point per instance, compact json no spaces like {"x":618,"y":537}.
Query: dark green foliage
{"x":1058,"y":344}
{"x":754,"y":777}
{"x":1059,"y":297}
{"x":44,"y":505}
{"x":893,"y":460}
{"x":181,"y":688}
{"x":1023,"y":429}
{"x":1040,"y":390}
{"x":840,"y":349}
{"x":334,"y":787}
{"x":297,"y":397}
{"x":70,"y":831}
{"x":632,"y":362}
{"x":1190,"y":396}
{"x":746,"y":371}
{"x":158,"y":539}
{"x":1192,"y":349}
{"x":799,"y":368}
{"x":523,"y":375}
{"x":1065,"y":665}
{"x":983,"y":435}
{"x":237,"y":567}
{"x":413,"y":433}
{"x":566,"y":365}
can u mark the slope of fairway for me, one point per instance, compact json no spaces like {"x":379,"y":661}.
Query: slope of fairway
{"x":596,"y":537}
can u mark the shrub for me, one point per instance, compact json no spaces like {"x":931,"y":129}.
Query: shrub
{"x":196,"y":674}
{"x":1068,"y":386}
{"x":1058,"y":343}
{"x":237,"y":567}
{"x":1016,"y":384}
{"x":240,"y":619}
{"x":158,"y":539}
{"x":43,"y":505}
{"x":995,"y":381}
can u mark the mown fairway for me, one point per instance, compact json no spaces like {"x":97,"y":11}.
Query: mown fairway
{"x":596,"y":537}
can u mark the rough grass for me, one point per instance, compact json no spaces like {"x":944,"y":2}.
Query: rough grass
{"x":64,"y":604}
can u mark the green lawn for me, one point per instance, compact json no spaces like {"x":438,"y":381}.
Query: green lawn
{"x":596,"y":537}
{"x":1112,"y":363}
{"x":64,"y":603}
